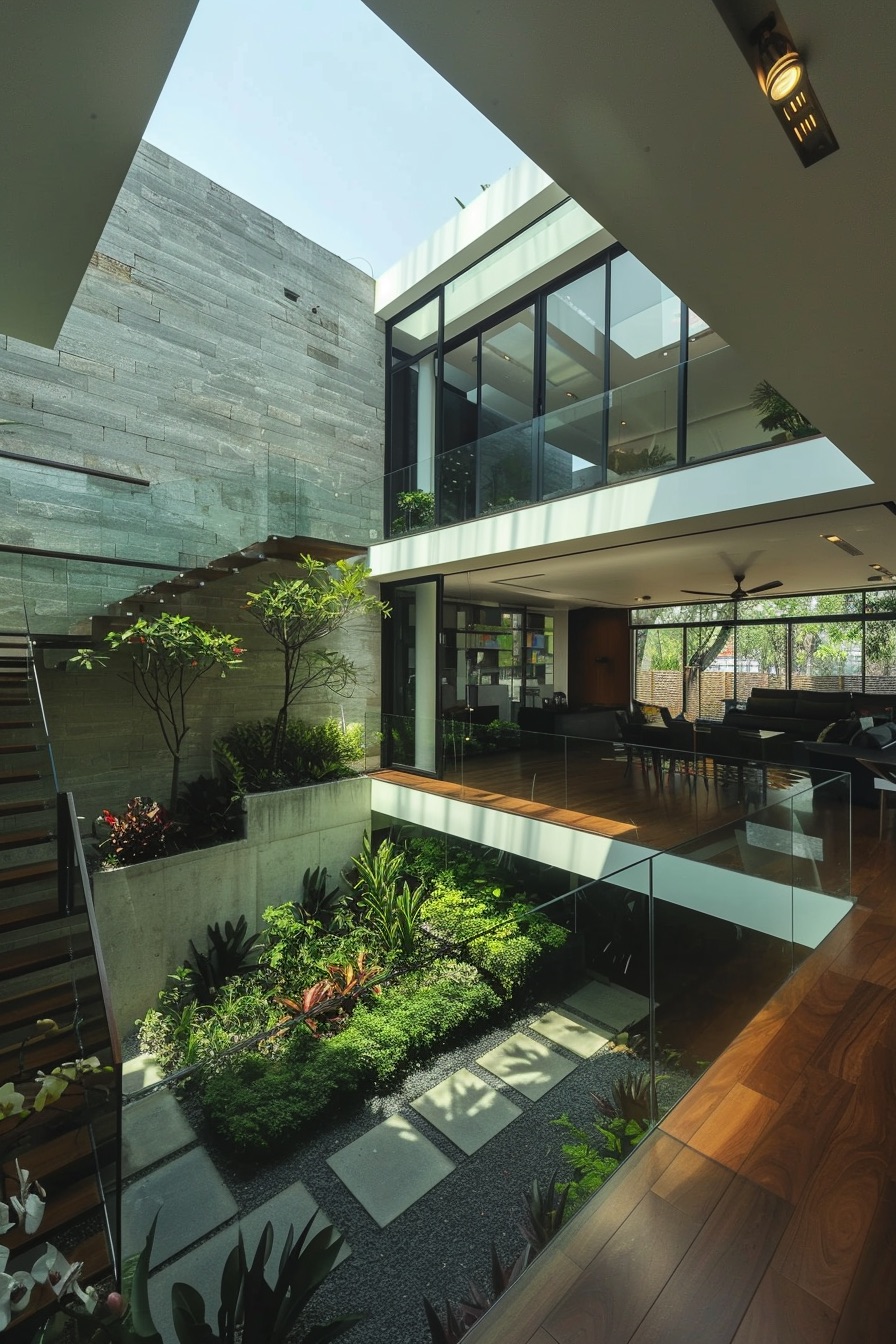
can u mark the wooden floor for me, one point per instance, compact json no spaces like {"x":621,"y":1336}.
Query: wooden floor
{"x":589,"y":787}
{"x":763,"y":1208}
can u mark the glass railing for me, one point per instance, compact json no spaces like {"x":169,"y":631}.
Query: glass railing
{"x":540,"y":1041}
{"x":616,"y":436}
{"x":650,"y":795}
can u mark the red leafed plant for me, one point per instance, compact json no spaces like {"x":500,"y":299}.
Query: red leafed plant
{"x":331,"y":1000}
{"x":144,"y":830}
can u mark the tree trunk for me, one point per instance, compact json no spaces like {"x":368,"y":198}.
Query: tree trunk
{"x":175,"y":782}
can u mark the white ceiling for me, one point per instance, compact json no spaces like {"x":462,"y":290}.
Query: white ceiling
{"x":78,"y":83}
{"x":650,"y":116}
{"x":790,"y":549}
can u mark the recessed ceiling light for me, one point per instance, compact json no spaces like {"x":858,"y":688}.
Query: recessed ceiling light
{"x":846,"y":546}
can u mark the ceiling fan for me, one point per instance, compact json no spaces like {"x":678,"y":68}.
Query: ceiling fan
{"x":739,"y":591}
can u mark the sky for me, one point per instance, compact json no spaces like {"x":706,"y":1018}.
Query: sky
{"x":317,"y":113}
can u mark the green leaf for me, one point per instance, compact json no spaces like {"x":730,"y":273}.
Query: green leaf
{"x":134,"y":1282}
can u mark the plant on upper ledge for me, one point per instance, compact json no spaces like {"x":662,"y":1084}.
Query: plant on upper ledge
{"x":778,"y":414}
{"x":308,"y":753}
{"x":415,"y":510}
{"x":298,"y":614}
{"x":167,"y":656}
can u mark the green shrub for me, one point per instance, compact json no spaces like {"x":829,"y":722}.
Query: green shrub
{"x":310,"y":753}
{"x":181,"y":1032}
{"x":261,"y":1105}
{"x":504,"y":943}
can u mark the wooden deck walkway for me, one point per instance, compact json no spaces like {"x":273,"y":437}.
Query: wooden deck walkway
{"x":763,"y":1208}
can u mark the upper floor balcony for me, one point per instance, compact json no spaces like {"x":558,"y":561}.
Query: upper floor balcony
{"x":690,"y":412}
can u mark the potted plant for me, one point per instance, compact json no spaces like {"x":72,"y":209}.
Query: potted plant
{"x":779,"y":415}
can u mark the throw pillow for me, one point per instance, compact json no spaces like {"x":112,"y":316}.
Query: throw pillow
{"x":650,"y":715}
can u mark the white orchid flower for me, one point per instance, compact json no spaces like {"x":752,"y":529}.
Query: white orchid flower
{"x":11,"y":1101}
{"x":30,"y":1202}
{"x":54,"y":1269}
{"x":15,"y":1294}
{"x":6,"y":1223}
{"x":4,"y":1256}
{"x":51,"y":1088}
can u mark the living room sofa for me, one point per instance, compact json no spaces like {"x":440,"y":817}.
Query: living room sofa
{"x":803,"y":715}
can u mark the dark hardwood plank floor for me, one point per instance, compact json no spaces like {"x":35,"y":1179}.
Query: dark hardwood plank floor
{"x":762,"y":1210}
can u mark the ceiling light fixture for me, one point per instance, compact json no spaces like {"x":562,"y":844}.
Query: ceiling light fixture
{"x":781,"y":72}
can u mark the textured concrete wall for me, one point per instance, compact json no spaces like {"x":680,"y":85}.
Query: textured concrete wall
{"x":183,"y":363}
{"x":148,"y":914}
{"x":107,"y":743}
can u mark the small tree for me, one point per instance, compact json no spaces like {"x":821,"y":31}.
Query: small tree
{"x":167,"y":656}
{"x":297,"y":614}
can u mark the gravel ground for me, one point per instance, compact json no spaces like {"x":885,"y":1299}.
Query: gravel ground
{"x":443,"y":1241}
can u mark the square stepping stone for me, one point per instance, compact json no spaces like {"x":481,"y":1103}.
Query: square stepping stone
{"x":611,"y":1004}
{"x":152,"y":1128}
{"x":389,"y":1168}
{"x":203,"y":1266}
{"x":190,"y":1198}
{"x":570,"y":1032}
{"x":526,"y":1065}
{"x":466,"y":1110}
{"x":139,"y":1072}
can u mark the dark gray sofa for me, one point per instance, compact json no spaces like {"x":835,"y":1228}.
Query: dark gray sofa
{"x":802,"y":715}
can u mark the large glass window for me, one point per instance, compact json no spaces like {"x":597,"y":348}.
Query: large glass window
{"x":820,"y":641}
{"x":645,"y":343}
{"x":659,"y":666}
{"x":574,"y":374}
{"x":598,"y":377}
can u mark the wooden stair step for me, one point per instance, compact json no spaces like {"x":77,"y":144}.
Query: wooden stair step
{"x":15,"y":748}
{"x":15,"y":725}
{"x":92,"y":1035}
{"x":15,"y":807}
{"x":25,"y":873}
{"x":67,"y":1148}
{"x":22,"y":961}
{"x":20,"y":1012}
{"x":23,"y":916}
{"x":18,"y":776}
{"x":20,"y":839}
{"x":7,"y":700}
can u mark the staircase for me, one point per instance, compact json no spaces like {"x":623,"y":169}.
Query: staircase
{"x":49,"y":969}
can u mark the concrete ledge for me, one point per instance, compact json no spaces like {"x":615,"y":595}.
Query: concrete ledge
{"x":148,"y":913}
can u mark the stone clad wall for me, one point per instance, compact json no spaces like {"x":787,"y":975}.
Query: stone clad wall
{"x":183,"y":363}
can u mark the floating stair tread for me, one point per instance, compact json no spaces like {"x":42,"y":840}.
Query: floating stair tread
{"x":14,"y":725}
{"x":14,"y":807}
{"x":37,"y":956}
{"x":22,"y":1010}
{"x":15,"y":748}
{"x":22,"y":916}
{"x":18,"y":776}
{"x":92,"y":1035}
{"x":7,"y":700}
{"x":26,"y":872}
{"x":19,"y":839}
{"x":69,"y":1147}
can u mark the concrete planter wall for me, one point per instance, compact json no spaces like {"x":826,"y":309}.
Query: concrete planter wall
{"x":148,"y":914}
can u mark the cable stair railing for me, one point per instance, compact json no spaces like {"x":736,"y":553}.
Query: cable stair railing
{"x":54,"y":1004}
